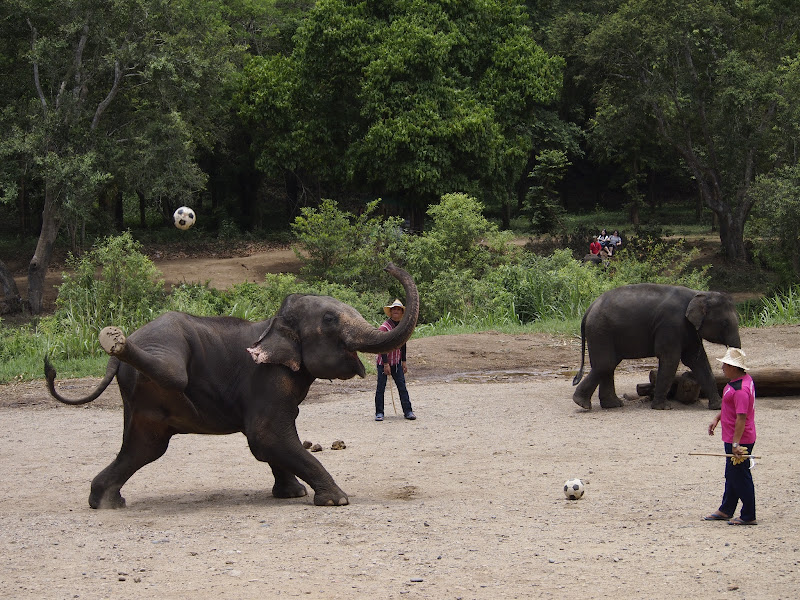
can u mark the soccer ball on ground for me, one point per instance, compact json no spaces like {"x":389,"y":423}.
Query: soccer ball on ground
{"x":184,"y":218}
{"x":573,"y":489}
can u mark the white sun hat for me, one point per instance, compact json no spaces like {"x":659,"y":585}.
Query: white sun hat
{"x":396,"y":304}
{"x":735,"y":357}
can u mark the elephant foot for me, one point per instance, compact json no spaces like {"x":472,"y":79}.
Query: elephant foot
{"x":582,"y":401}
{"x":331,"y":498}
{"x":112,"y":340}
{"x":613,"y":402}
{"x":660,"y":405}
{"x":102,"y":502}
{"x":294,"y":489}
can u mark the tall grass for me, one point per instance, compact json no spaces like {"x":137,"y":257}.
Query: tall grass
{"x":782,"y":308}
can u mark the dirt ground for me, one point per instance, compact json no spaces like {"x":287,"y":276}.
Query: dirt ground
{"x":465,"y":502}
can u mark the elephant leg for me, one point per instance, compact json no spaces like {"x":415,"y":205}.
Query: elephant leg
{"x":698,"y":363}
{"x":608,"y":391}
{"x":667,"y":367}
{"x":286,"y":484}
{"x":277,"y":443}
{"x":167,"y":370}
{"x":583,"y":393}
{"x":143,"y":442}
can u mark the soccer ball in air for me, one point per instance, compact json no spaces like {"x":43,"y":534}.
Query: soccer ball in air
{"x":573,"y":489}
{"x":184,"y":218}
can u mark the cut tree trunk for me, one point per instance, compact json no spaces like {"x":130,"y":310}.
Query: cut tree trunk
{"x":768,"y":381}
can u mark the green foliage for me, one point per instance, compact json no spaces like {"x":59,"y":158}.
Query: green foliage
{"x":647,"y":256}
{"x":706,"y":80}
{"x":776,"y":221}
{"x":410,"y":98}
{"x":339,"y":247}
{"x":543,"y":205}
{"x":551,"y":287}
{"x":113,"y":283}
{"x":459,"y":237}
{"x":782,"y":308}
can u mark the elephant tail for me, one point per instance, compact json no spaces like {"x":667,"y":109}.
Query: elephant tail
{"x":579,"y":374}
{"x":50,"y":376}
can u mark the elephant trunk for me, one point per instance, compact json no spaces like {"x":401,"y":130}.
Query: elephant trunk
{"x":375,"y":341}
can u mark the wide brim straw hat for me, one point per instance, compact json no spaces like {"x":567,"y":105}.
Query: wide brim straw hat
{"x":735,"y":357}
{"x":396,"y":304}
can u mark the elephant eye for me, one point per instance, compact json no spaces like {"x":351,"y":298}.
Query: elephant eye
{"x":329,"y":318}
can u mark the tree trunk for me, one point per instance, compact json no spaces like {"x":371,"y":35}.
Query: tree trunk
{"x":11,"y":303}
{"x":142,"y":210}
{"x":119,"y":210}
{"x":731,"y":234}
{"x":37,"y":268}
{"x":634,"y":213}
{"x":506,"y":225}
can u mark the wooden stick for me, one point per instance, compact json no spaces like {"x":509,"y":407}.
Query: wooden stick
{"x":727,"y":455}
{"x":390,"y":383}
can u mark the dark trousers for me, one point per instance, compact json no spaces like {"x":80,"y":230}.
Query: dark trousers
{"x":399,"y":379}
{"x":739,"y":486}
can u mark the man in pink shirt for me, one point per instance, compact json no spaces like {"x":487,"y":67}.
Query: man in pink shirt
{"x":737,"y":417}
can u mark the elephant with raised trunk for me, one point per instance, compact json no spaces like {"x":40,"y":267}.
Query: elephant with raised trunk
{"x":646,"y":319}
{"x":219,"y":375}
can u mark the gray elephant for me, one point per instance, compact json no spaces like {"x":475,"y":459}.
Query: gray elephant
{"x":218,"y":375}
{"x":646,"y":319}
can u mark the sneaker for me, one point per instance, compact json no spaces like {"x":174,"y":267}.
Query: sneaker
{"x":410,"y":415}
{"x":379,"y":417}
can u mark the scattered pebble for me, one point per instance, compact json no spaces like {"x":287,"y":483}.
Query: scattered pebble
{"x":338,"y":445}
{"x":316,"y":448}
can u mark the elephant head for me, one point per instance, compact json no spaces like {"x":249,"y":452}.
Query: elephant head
{"x":323,"y":335}
{"x":714,"y":316}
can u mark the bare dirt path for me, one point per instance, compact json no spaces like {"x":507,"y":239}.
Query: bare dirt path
{"x":465,"y":502}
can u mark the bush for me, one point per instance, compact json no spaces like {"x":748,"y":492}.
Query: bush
{"x":775,"y":221}
{"x":113,"y":283}
{"x":459,"y":238}
{"x":339,"y":247}
{"x":552,"y":287}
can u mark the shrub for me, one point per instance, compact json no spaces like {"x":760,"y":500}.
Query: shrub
{"x":339,"y":247}
{"x":113,"y":283}
{"x":665,"y":262}
{"x":555,"y":286}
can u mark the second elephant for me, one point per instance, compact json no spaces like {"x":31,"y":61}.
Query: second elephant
{"x":646,"y":319}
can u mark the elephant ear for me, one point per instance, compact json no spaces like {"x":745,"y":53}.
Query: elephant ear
{"x":279,"y":344}
{"x":696,"y":311}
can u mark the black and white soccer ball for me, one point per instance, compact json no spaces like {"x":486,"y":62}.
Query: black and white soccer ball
{"x":573,"y":489}
{"x":184,"y":218}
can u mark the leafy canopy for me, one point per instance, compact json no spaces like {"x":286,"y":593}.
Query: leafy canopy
{"x":414,"y":99}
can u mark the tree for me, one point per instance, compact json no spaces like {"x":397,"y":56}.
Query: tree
{"x":96,"y":86}
{"x":407,"y":100}
{"x":704,"y":77}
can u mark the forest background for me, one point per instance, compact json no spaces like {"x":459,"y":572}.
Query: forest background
{"x":275,"y":119}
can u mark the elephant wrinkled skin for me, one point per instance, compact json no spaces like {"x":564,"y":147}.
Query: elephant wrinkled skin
{"x":220,"y":375}
{"x":646,"y":319}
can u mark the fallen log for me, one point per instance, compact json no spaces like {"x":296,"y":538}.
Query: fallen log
{"x":768,"y":381}
{"x":684,"y":388}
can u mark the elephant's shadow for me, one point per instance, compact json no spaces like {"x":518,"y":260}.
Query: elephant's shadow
{"x":190,"y":501}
